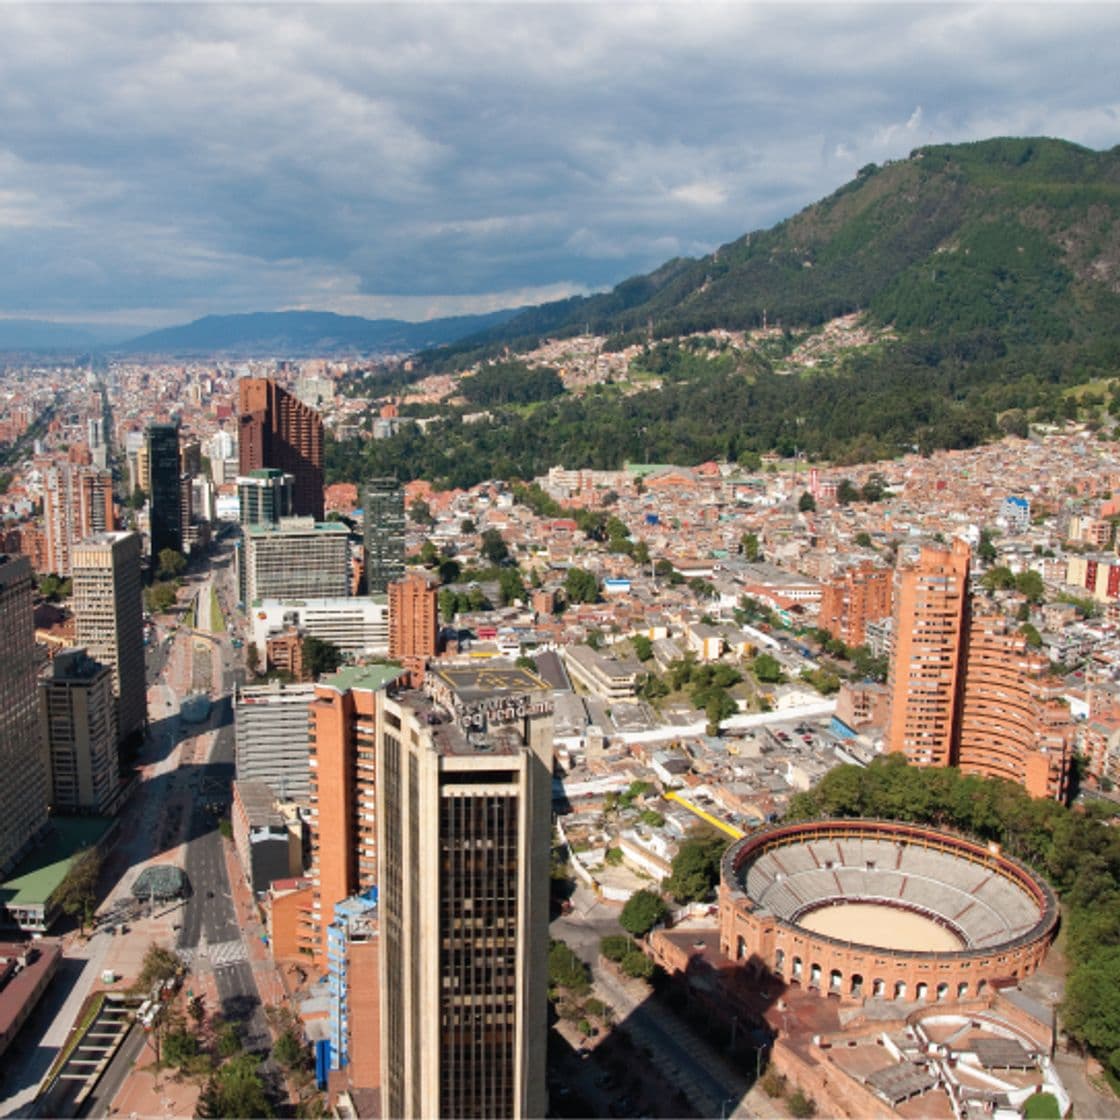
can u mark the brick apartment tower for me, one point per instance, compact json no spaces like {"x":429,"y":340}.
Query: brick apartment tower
{"x":25,"y":785}
{"x":77,"y":501}
{"x":276,"y":429}
{"x":965,"y":690}
{"x":1013,"y":724}
{"x":413,"y":624}
{"x":341,"y":746}
{"x":858,"y":596}
{"x":931,"y":607}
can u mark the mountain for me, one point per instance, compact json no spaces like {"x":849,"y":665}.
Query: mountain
{"x":985,"y":283}
{"x":39,"y":335}
{"x":1019,"y":236}
{"x":301,"y":333}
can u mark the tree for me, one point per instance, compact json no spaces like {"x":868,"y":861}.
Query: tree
{"x":643,"y":910}
{"x":695,"y":868}
{"x":493,"y":548}
{"x":717,"y":707}
{"x":77,"y":896}
{"x":180,"y":1046}
{"x":421,"y":513}
{"x":807,"y":503}
{"x":986,"y":550}
{"x":159,"y":598}
{"x":53,"y":588}
{"x":137,"y":499}
{"x":801,"y":1106}
{"x":566,"y":970}
{"x":767,"y":669}
{"x":615,"y":946}
{"x":171,"y":564}
{"x":1030,"y":585}
{"x":429,"y":554}
{"x":999,"y":578}
{"x":750,"y":547}
{"x":449,"y":571}
{"x":581,"y":586}
{"x":159,"y":964}
{"x":511,"y":586}
{"x":467,"y":527}
{"x":637,"y":965}
{"x":643,"y":647}
{"x":320,"y":657}
{"x":1033,"y":637}
{"x":288,"y":1051}
{"x":847,"y":492}
{"x":235,"y":1091}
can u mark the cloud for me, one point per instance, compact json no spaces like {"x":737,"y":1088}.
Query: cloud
{"x":173,"y":159}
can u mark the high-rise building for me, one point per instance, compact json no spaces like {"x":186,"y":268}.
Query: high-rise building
{"x":300,"y":559}
{"x":342,"y":745}
{"x":850,"y":601}
{"x":77,"y":501}
{"x":276,"y":429}
{"x":164,"y":494}
{"x":109,"y":619}
{"x":78,"y":720}
{"x":383,"y":502}
{"x":413,"y":623}
{"x":264,"y":496}
{"x":965,"y":690}
{"x":1014,"y":724}
{"x":271,"y":724}
{"x":24,"y":782}
{"x":931,"y":607}
{"x":463,"y":818}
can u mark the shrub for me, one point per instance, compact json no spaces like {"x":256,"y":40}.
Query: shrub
{"x":801,"y":1106}
{"x":637,"y":965}
{"x":773,"y":1084}
{"x":615,"y":946}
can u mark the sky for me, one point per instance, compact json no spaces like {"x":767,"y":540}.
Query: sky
{"x":159,"y":162}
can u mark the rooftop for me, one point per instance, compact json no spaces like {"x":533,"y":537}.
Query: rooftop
{"x":39,"y":874}
{"x":470,"y":683}
{"x":369,"y":678}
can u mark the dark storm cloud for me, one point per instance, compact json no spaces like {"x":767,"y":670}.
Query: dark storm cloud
{"x":418,"y":159}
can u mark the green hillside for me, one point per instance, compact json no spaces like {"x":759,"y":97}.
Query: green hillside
{"x":993,"y":269}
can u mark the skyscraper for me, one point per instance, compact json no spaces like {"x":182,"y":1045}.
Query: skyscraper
{"x":342,"y":745}
{"x":109,"y":617}
{"x":275,"y":429}
{"x":24,"y":783}
{"x":78,"y":719}
{"x":164,"y":495}
{"x":413,"y":623}
{"x":930,"y":621}
{"x":857,"y":596}
{"x":965,"y":689}
{"x":463,"y":818}
{"x":383,"y":501}
{"x":264,"y":496}
{"x":77,"y":501}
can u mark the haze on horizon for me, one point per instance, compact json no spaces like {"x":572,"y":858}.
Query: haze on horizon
{"x":162,"y":162}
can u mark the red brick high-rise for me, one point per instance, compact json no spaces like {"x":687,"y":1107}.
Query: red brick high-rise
{"x":413,"y":624}
{"x":856,"y":597}
{"x":276,"y":429}
{"x":965,"y":689}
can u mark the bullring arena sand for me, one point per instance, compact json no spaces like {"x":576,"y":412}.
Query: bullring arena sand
{"x":886,"y":927}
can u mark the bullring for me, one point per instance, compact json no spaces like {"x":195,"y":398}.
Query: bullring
{"x":859,"y":908}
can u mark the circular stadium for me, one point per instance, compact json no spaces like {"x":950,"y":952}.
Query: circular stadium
{"x":856,"y":909}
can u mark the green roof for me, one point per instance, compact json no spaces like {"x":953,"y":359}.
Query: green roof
{"x":41,"y":872}
{"x":366,"y":677}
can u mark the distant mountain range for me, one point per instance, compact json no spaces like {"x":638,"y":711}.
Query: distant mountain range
{"x":282,"y":334}
{"x":291,"y":334}
{"x":37,"y":335}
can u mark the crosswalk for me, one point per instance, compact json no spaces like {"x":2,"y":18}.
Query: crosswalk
{"x":218,"y":954}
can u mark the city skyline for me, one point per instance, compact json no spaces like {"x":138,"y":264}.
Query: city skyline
{"x":318,"y":157}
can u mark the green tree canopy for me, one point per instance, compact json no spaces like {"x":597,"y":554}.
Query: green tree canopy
{"x":643,"y":910}
{"x":581,"y":586}
{"x":767,"y":669}
{"x":695,"y":867}
{"x":807,"y":503}
{"x":171,"y":563}
{"x":493,"y":548}
{"x":320,"y":657}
